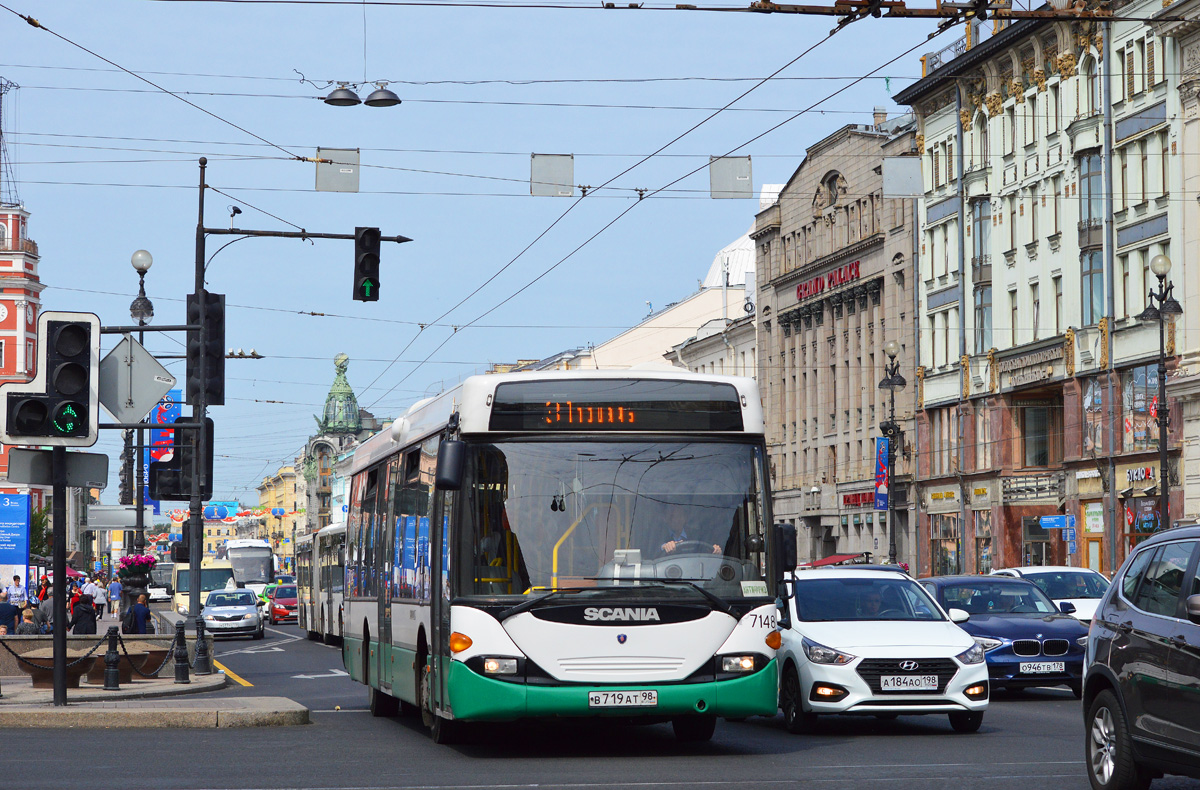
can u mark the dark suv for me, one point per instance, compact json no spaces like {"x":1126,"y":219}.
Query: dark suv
{"x":1141,"y":695}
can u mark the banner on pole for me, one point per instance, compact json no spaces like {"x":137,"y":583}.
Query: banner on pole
{"x":881,"y":473}
{"x":162,"y":440}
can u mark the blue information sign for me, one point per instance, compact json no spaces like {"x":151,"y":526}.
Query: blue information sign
{"x":1053,"y":522}
{"x":1069,"y":534}
{"x":14,"y":536}
{"x":1071,"y":522}
{"x":1071,"y":547}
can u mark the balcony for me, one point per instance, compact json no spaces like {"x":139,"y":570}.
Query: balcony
{"x":1028,"y":487}
{"x":19,"y":245}
{"x":981,"y":269}
{"x":935,"y":60}
{"x":1091,"y":233}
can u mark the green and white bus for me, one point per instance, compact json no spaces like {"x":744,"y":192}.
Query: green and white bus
{"x":592,"y":543}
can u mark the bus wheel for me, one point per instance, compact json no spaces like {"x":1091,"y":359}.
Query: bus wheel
{"x":382,"y":703}
{"x":694,"y":729}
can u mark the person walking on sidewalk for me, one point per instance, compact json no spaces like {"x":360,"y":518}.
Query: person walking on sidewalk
{"x":45,"y":612}
{"x":16,"y":593}
{"x":141,"y":614}
{"x":83,"y":619}
{"x":99,"y":599}
{"x":114,"y":597}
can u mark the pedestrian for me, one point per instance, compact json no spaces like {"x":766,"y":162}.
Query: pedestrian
{"x":28,"y":627}
{"x":114,"y":597}
{"x":43,"y":586}
{"x":8,"y":612}
{"x":99,"y":598}
{"x":75,"y":594}
{"x":140,"y":612}
{"x":45,"y":617}
{"x":83,"y":620}
{"x":16,"y":592}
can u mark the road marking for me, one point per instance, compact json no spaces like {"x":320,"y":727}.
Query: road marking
{"x":352,"y":710}
{"x":229,"y":673}
{"x":333,"y":673}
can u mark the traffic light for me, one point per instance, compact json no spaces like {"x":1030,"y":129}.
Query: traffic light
{"x":181,"y":552}
{"x":366,"y":264}
{"x":59,"y":406}
{"x":125,"y":496}
{"x":213,"y":351}
{"x":172,"y":479}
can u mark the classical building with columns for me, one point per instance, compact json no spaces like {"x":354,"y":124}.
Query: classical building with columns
{"x":833,"y":269}
{"x":1183,"y":39}
{"x":1042,"y":213}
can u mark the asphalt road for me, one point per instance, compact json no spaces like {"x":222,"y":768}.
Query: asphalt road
{"x":1028,"y":742}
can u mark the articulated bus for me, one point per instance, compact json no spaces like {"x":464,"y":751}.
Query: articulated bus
{"x":570,"y":544}
{"x":320,"y":573}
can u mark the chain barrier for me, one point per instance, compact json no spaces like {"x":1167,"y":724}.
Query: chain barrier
{"x":153,"y":675}
{"x":76,"y":662}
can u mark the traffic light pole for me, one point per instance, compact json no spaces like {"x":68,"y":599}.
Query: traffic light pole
{"x":58,"y":473}
{"x":196,"y":518}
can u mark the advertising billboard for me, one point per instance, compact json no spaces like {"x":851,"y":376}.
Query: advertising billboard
{"x":14,"y":537}
{"x":881,"y":473}
{"x":162,"y":440}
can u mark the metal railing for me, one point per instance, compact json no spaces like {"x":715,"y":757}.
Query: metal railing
{"x":18,"y":245}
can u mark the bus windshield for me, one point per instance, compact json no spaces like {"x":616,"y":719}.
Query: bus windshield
{"x":210,"y":579}
{"x":252,"y":565}
{"x":161,"y":576}
{"x":578,"y":514}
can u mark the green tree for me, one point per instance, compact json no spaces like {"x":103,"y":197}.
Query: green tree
{"x":40,"y":536}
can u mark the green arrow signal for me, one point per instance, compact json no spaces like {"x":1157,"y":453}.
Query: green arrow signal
{"x":367,"y":287}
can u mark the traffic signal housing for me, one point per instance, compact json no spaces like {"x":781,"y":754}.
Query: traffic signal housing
{"x":212,"y":351}
{"x":171,"y":480}
{"x":366,"y":264}
{"x":58,"y":408}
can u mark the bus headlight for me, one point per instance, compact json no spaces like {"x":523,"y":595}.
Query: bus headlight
{"x":500,"y":666}
{"x":737,"y":663}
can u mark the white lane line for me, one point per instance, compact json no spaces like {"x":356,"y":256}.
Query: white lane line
{"x":621,"y":783}
{"x":352,"y":710}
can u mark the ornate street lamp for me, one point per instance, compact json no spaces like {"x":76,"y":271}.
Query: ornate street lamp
{"x":892,"y":381}
{"x":1167,"y":312}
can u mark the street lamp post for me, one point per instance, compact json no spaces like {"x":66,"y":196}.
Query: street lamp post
{"x":140,"y":310}
{"x":892,"y":381}
{"x":1167,"y":312}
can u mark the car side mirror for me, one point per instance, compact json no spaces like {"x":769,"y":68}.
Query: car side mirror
{"x":1193,"y":608}
{"x":959,"y":615}
{"x":1066,"y":607}
{"x":451,"y":458}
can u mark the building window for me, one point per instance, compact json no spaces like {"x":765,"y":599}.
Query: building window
{"x":1123,"y":162}
{"x":1054,"y":111}
{"x":983,"y":439}
{"x":1012,"y":223}
{"x":981,"y":220}
{"x":1093,"y":417}
{"x":1057,"y":185}
{"x":1091,"y":190}
{"x":1058,"y":305}
{"x":1164,"y":146}
{"x":1033,"y":214}
{"x":1139,"y":390}
{"x":944,"y":539}
{"x":1036,"y":300}
{"x":1126,"y":297}
{"x":1012,"y":317}
{"x":983,"y":541}
{"x":1040,"y":437}
{"x":983,"y":318}
{"x":1144,"y":160}
{"x":1092,"y":281}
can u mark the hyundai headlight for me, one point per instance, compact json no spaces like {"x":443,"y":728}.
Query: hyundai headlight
{"x":988,"y":643}
{"x":819,"y":654}
{"x":972,"y":655}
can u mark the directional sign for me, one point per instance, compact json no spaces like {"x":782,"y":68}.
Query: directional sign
{"x":132,"y":381}
{"x":1069,"y":534}
{"x":1053,"y":522}
{"x":1071,"y":547}
{"x":1071,"y":522}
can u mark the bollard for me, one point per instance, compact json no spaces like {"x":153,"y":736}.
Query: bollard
{"x":203,"y":657}
{"x":181,"y":654}
{"x":112,"y":674}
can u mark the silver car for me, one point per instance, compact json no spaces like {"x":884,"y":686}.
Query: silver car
{"x":233,"y":613}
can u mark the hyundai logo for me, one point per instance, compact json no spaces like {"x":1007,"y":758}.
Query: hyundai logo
{"x":621,"y":639}
{"x":909,"y":666}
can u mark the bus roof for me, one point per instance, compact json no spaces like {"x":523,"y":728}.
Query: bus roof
{"x":473,"y":397}
{"x":247,"y":543}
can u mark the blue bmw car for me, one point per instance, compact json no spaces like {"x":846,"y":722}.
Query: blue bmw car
{"x":1027,"y":639}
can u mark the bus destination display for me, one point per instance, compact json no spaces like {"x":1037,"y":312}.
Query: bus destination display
{"x":615,"y":405}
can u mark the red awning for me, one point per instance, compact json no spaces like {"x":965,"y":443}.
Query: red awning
{"x":834,"y":559}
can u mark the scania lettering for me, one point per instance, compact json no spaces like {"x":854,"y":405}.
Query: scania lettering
{"x":592,"y":613}
{"x":566,"y":544}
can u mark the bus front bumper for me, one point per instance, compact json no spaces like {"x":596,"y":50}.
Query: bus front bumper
{"x":475,"y":697}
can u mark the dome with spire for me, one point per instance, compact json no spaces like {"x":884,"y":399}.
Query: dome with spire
{"x":341,"y":407}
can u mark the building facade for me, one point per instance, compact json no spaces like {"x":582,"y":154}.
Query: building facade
{"x":1038,"y":388}
{"x":833,"y":270}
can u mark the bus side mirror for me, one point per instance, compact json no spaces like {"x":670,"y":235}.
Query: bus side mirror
{"x":170,"y":590}
{"x":451,"y":458}
{"x":785,"y":549}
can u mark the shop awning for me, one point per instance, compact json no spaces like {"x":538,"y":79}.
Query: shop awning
{"x":833,"y":559}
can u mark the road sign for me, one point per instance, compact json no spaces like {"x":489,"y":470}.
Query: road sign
{"x":1069,"y":534}
{"x":132,"y":381}
{"x":1071,"y":522}
{"x":33,"y":467}
{"x":1071,"y":547}
{"x":1053,"y":522}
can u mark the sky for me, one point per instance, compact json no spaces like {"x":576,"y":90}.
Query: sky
{"x":107,"y":164}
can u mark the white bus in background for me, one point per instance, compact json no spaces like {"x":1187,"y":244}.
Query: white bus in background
{"x":320,"y":575}
{"x":253,"y":563}
{"x":583,"y":543}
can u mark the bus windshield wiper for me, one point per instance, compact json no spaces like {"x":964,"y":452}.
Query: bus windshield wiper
{"x":525,"y":606}
{"x":719,"y":603}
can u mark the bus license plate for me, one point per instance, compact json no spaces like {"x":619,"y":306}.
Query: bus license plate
{"x":908,"y":682}
{"x":1036,"y":667}
{"x":622,"y":699}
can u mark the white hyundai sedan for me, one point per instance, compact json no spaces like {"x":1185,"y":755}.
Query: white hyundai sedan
{"x":873,"y":642}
